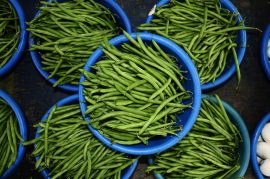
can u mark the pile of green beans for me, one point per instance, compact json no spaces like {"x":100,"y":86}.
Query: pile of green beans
{"x":210,"y":149}
{"x":10,"y":137}
{"x":135,"y":92}
{"x":66,"y":34}
{"x":68,"y":149}
{"x":205,"y":30}
{"x":9,"y":31}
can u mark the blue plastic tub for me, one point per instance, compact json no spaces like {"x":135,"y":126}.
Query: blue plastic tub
{"x":244,"y":149}
{"x":23,"y":132}
{"x":23,"y":37}
{"x":121,"y":18}
{"x":241,"y":41}
{"x":71,"y":100}
{"x":264,"y":58}
{"x":188,"y":118}
{"x":254,"y":141}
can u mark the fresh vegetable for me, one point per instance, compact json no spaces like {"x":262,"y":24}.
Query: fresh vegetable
{"x":135,"y":92}
{"x":10,"y":137}
{"x":266,"y":133}
{"x":66,"y":34}
{"x":210,"y":150}
{"x":9,"y":31}
{"x":205,"y":30}
{"x":265,"y":167}
{"x":67,"y":149}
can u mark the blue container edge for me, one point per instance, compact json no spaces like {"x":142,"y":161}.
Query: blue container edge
{"x":240,"y":54}
{"x":23,"y":131}
{"x":265,"y":61}
{"x":36,"y":58}
{"x":70,"y":99}
{"x":22,"y":42}
{"x":254,"y":141}
{"x":197,"y":94}
{"x":243,"y":131}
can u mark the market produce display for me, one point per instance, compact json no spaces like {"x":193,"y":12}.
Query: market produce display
{"x":66,"y":148}
{"x":135,"y":92}
{"x":263,"y":150}
{"x":210,"y":150}
{"x":66,"y":34}
{"x":9,"y":138}
{"x":9,"y":31}
{"x":206,"y":31}
{"x":139,"y":93}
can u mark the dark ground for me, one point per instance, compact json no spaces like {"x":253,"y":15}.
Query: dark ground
{"x":35,"y":95}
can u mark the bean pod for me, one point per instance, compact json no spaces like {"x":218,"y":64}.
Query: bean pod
{"x":65,"y":148}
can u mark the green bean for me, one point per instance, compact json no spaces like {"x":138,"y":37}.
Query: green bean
{"x":9,"y":32}
{"x":74,"y":153}
{"x":157,"y":111}
{"x":160,"y":90}
{"x":200,"y":28}
{"x":122,"y":108}
{"x":124,"y":74}
{"x":208,"y":151}
{"x":62,"y":32}
{"x":10,"y":137}
{"x":141,"y":87}
{"x":137,"y":83}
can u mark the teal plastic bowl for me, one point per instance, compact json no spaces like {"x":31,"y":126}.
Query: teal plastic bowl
{"x":244,"y":149}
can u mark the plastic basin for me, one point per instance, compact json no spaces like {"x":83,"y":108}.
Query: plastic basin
{"x":188,"y":117}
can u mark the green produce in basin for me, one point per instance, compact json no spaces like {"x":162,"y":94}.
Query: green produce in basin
{"x":210,"y":150}
{"x":9,"y":31}
{"x":10,"y":137}
{"x":204,"y":29}
{"x":67,"y":33}
{"x":135,"y":92}
{"x":67,"y":148}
